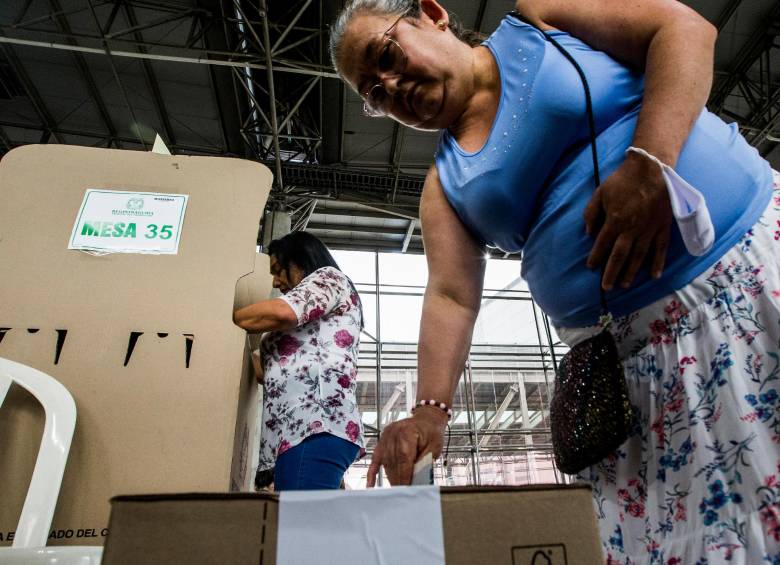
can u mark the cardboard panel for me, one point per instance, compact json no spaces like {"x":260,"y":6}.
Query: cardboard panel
{"x":145,"y":343}
{"x":194,"y":530}
{"x":532,"y":526}
{"x":540,"y":525}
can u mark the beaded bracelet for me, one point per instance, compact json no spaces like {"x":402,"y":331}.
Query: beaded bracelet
{"x":440,"y":405}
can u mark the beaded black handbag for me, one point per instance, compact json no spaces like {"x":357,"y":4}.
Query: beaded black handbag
{"x":590,"y":411}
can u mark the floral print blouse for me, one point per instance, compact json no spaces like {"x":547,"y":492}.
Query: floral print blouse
{"x":311,"y":370}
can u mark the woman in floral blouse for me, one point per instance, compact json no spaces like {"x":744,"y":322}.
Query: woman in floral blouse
{"x":312,"y":430}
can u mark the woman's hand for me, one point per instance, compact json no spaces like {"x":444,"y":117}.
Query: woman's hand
{"x":402,"y":443}
{"x":630,"y":216}
{"x":257,"y":364}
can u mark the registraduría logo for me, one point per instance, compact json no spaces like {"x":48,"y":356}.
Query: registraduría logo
{"x":135,"y":203}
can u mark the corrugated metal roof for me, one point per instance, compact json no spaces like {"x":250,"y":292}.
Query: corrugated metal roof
{"x":62,"y":87}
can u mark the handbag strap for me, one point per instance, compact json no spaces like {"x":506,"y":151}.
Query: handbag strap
{"x":605,"y":315}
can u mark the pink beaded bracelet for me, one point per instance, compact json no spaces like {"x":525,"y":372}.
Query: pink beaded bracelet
{"x":440,"y":405}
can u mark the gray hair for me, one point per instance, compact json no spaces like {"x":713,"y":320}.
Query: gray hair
{"x":397,"y":8}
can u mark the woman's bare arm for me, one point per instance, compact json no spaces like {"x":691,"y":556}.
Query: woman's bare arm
{"x":456,"y":269}
{"x":266,"y":316}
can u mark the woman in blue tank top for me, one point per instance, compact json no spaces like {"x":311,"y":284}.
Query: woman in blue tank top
{"x":698,"y":318}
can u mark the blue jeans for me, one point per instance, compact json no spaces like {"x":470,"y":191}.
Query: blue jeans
{"x":318,"y":462}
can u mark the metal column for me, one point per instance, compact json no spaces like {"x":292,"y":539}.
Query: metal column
{"x":378,"y":360}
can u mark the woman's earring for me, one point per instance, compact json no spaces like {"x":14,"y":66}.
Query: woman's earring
{"x":441,"y":24}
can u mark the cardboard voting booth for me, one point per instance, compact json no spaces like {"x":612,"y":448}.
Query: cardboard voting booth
{"x":120,"y":275}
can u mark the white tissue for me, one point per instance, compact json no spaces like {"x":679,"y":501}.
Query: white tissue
{"x":688,"y":206}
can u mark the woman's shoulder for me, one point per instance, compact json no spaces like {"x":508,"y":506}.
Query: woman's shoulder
{"x":328,"y":273}
{"x":330,"y":276}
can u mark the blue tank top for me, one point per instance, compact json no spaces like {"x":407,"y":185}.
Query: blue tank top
{"x":527,"y":187}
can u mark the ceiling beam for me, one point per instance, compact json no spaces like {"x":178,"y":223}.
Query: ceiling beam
{"x":83,"y":69}
{"x":289,"y":27}
{"x":359,"y":198}
{"x":334,"y":92}
{"x":726,"y":13}
{"x":135,"y":27}
{"x":509,"y":422}
{"x":408,"y":237}
{"x":312,"y":83}
{"x":337,"y":179}
{"x":115,"y":72}
{"x":303,"y":220}
{"x":47,"y":121}
{"x":367,"y":245}
{"x":747,"y":56}
{"x":768,"y":124}
{"x":19,"y":22}
{"x":290,"y":46}
{"x":266,"y":43}
{"x":394,"y":145}
{"x":356,"y":228}
{"x":151,"y":79}
{"x":7,"y":143}
{"x":112,"y":17}
{"x":398,"y":390}
{"x":230,"y":107}
{"x":195,"y":149}
{"x":353,"y":213}
{"x":496,"y":420}
{"x":18,"y":19}
{"x":197,"y":58}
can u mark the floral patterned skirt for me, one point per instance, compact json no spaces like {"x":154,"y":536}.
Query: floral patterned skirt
{"x":698,"y":483}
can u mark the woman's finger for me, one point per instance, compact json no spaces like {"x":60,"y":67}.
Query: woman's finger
{"x":617,"y":259}
{"x":602,"y":247}
{"x":641,"y":247}
{"x":390,"y":439}
{"x":659,"y":257}
{"x":592,"y":213}
{"x":376,"y":464}
{"x":404,"y":465}
{"x":393,"y":454}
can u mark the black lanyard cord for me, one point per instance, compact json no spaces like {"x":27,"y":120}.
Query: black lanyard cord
{"x":591,"y":120}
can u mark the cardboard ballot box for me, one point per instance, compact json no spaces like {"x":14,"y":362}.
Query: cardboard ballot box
{"x":538,"y":525}
{"x":144,"y":341}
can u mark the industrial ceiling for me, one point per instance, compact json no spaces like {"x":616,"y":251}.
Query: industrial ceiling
{"x":242,"y":79}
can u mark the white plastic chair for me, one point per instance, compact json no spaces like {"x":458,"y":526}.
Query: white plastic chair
{"x":38,"y":510}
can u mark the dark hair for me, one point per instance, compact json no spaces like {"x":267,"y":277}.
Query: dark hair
{"x":263,"y":479}
{"x":303,"y":250}
{"x":308,"y":253}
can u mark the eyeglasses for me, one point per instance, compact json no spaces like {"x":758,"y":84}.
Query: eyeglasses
{"x":392,"y":58}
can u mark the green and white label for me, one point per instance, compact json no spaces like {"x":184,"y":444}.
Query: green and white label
{"x":113,"y":221}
